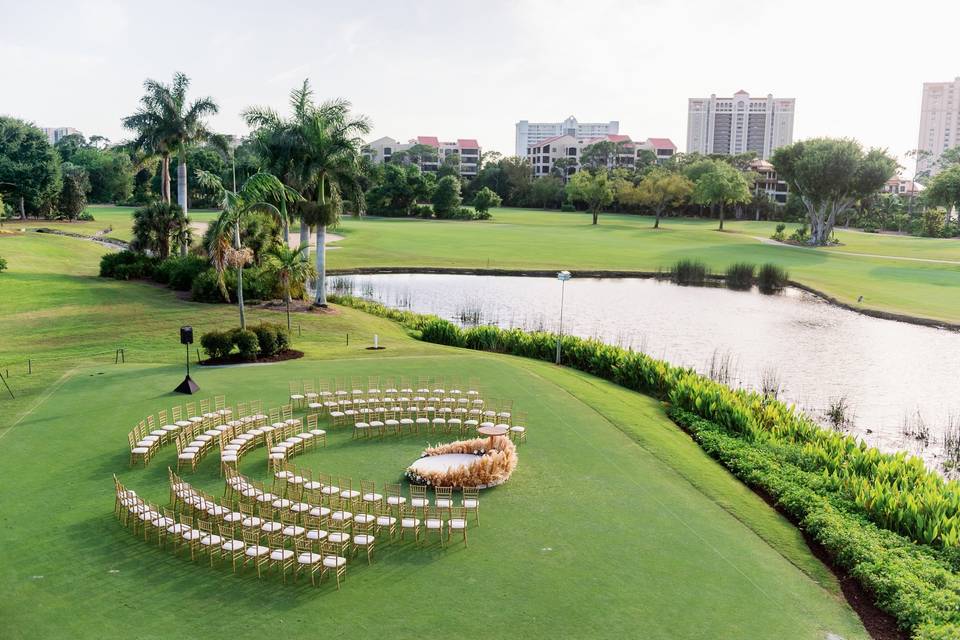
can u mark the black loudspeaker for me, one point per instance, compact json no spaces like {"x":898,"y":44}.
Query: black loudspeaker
{"x":186,"y":335}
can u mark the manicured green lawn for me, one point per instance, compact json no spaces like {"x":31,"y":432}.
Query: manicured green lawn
{"x":614,"y":525}
{"x":517,"y":239}
{"x":599,"y":533}
{"x":118,"y":219}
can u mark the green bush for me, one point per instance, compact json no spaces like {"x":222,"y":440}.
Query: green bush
{"x":247,"y":344}
{"x":779,"y":235}
{"x":127,"y":265}
{"x":442,"y":332}
{"x":772,"y":278}
{"x":740,"y":275}
{"x":566,"y":207}
{"x":801,"y":234}
{"x":217,"y":344}
{"x":180,"y":272}
{"x":283,"y":338}
{"x":3,"y":264}
{"x":266,"y":338}
{"x":689,"y":272}
{"x":258,"y":284}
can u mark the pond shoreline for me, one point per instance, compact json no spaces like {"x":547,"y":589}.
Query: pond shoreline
{"x":713,"y":280}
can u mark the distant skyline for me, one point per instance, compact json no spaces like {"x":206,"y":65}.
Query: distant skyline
{"x":457,"y":70}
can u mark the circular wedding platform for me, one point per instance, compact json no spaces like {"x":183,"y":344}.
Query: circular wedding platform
{"x":443,"y":463}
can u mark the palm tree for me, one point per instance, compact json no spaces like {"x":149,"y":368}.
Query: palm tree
{"x":156,"y":225}
{"x":254,"y":196}
{"x":165,"y":123}
{"x":331,"y":170}
{"x":292,"y":268}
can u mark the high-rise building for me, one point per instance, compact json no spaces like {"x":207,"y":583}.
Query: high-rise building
{"x":939,"y":122}
{"x":466,"y":149}
{"x":55,"y":134}
{"x":531,"y":133}
{"x":730,"y":126}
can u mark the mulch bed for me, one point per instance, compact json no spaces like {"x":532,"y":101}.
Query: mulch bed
{"x":296,"y":306}
{"x":236,"y":358}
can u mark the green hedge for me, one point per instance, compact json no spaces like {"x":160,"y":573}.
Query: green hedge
{"x":914,"y":583}
{"x":264,"y":339}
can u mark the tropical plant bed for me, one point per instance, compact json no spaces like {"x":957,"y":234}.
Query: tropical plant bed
{"x":492,"y":467}
{"x":236,"y":358}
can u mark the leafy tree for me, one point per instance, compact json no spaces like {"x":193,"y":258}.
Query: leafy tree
{"x":450,"y":166}
{"x":73,"y":194}
{"x":252,"y":198}
{"x":932,"y":222}
{"x":399,"y":189}
{"x":830,"y":175}
{"x":157,"y":225}
{"x":602,"y":155}
{"x":292,"y":268}
{"x":563,"y":167}
{"x":593,"y":190}
{"x":944,"y":188}
{"x":547,"y":191}
{"x":721,"y":184}
{"x":660,"y":189}
{"x":484,"y":200}
{"x":30,"y":175}
{"x":446,"y":199}
{"x":166,"y":123}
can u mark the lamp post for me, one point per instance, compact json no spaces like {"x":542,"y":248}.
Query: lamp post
{"x":563,"y":276}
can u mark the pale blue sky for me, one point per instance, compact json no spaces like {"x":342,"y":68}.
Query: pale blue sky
{"x":459,"y":69}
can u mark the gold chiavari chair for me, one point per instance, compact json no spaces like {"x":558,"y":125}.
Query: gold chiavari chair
{"x":457,"y":523}
{"x":230,"y":547}
{"x":333,"y":562}
{"x":409,"y":522}
{"x":363,"y":538}
{"x":433,"y":521}
{"x":471,"y":501}
{"x":254,"y":552}
{"x":307,"y":560}
{"x":281,"y":558}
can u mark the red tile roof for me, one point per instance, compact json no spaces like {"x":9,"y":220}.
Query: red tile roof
{"x":432,"y":141}
{"x":618,"y":137}
{"x":467,"y":143}
{"x":662,"y":143}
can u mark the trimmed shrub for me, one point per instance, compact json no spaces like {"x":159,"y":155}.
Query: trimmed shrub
{"x":217,"y":344}
{"x":779,"y":235}
{"x":246,"y":341}
{"x":566,"y":207}
{"x":740,"y":275}
{"x":180,"y":272}
{"x":266,"y":338}
{"x":3,"y":264}
{"x":127,"y":265}
{"x":689,"y":272}
{"x":772,"y":278}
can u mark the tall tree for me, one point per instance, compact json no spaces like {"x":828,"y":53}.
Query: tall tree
{"x":547,"y":191}
{"x":660,"y":189}
{"x":73,"y":195}
{"x":252,"y":198}
{"x":329,"y":167}
{"x":830,"y":175}
{"x":30,"y":174}
{"x":721,"y":184}
{"x":446,"y":198}
{"x":593,"y":190}
{"x":166,"y":122}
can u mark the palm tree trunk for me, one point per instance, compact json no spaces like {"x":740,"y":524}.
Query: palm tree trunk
{"x":236,"y":241}
{"x":165,"y":178}
{"x":304,"y":233}
{"x":321,"y":265}
{"x":182,"y":192}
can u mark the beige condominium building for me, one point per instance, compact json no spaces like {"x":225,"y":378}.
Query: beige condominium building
{"x":529,"y":134}
{"x":467,"y":149}
{"x":939,"y":121}
{"x":731,"y":126}
{"x":544,"y":154}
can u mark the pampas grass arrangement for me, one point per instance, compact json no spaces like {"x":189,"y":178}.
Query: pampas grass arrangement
{"x":493,"y":467}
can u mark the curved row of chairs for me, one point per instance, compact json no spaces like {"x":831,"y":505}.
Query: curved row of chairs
{"x":208,"y":529}
{"x":152,"y":433}
{"x":433,"y":406}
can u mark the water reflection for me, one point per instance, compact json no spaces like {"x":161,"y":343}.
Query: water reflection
{"x":897,"y":379}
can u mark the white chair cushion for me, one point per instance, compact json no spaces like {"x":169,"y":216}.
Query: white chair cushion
{"x":363,"y":539}
{"x":334,"y":562}
{"x":309,"y":558}
{"x":471,"y":503}
{"x":458,"y":523}
{"x":316,"y":534}
{"x":210,"y":540}
{"x":256,"y":551}
{"x":281,"y":554}
{"x":395,"y":500}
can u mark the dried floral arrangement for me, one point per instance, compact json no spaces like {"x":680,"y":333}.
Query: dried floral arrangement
{"x":493,"y":467}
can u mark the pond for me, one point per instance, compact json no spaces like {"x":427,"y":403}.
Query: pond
{"x":896,"y":380}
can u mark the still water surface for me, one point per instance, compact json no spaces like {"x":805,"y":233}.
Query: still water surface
{"x":887,"y":371}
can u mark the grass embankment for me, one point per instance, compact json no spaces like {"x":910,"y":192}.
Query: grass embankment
{"x":527,"y":239}
{"x":614,"y":525}
{"x":118,"y":219}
